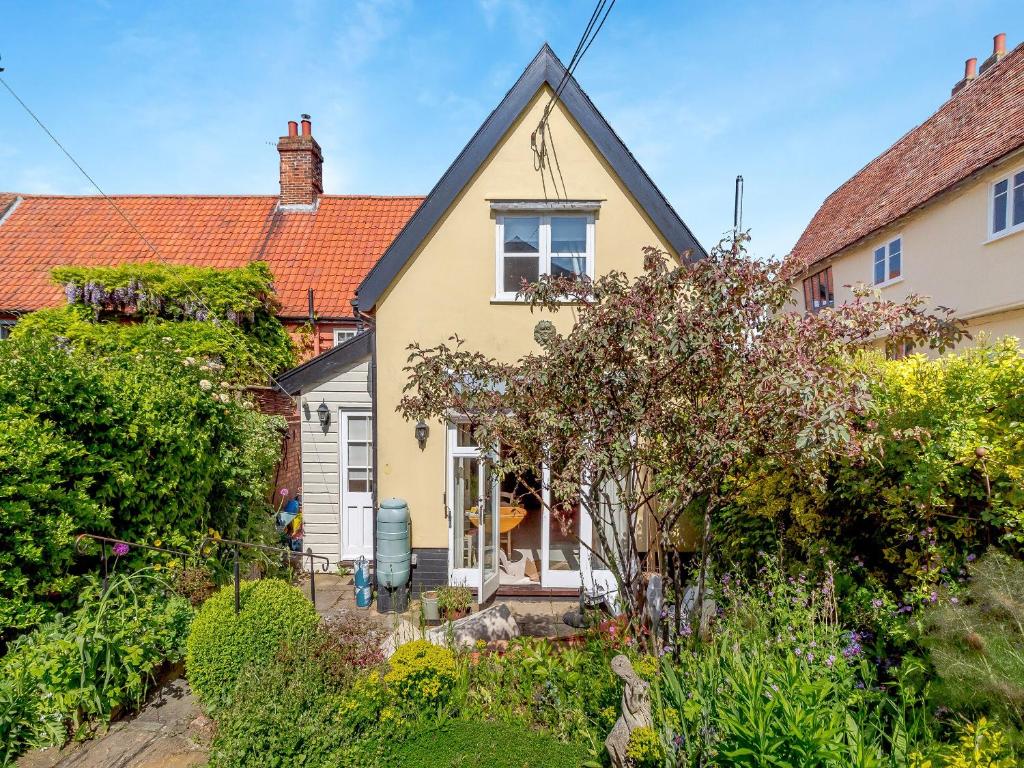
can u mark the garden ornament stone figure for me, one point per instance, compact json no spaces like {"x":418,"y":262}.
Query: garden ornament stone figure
{"x":636,"y":711}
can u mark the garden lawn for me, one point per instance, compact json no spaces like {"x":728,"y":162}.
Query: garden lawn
{"x":464,"y":744}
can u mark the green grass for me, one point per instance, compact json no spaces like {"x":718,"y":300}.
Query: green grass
{"x":487,"y":745}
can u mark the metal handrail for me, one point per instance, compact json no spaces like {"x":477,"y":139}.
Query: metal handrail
{"x":235,"y":544}
{"x":104,"y":540}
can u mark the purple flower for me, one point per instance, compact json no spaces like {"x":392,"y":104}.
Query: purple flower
{"x":878,"y":602}
{"x":971,"y":557}
{"x":830,"y":660}
{"x":121,"y":549}
{"x":284,"y":491}
{"x":953,"y":600}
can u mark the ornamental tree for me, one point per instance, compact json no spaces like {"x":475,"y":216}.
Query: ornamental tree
{"x":665,"y":385}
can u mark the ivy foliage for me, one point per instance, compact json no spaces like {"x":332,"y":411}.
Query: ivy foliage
{"x":132,"y":440}
{"x":248,"y":353}
{"x":224,"y":312}
{"x":179,"y":292}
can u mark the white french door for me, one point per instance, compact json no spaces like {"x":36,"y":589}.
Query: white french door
{"x":563,"y":559}
{"x":471,"y":505}
{"x":356,"y":463}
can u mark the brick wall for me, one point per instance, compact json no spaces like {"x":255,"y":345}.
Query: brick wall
{"x":288,"y":473}
{"x":315,"y":342}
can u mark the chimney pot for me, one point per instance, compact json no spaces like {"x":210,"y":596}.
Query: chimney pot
{"x":970,"y":69}
{"x":999,"y":45}
{"x":293,"y":128}
{"x":307,"y":126}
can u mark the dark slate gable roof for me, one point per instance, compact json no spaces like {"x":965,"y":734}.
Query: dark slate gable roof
{"x":545,"y":68}
{"x":326,"y":365}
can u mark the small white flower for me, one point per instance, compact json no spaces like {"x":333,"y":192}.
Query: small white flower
{"x":205,"y":385}
{"x":188,"y":361}
{"x":224,"y":385}
{"x":168,"y":339}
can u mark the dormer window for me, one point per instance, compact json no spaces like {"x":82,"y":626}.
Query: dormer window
{"x":530,"y":245}
{"x":1007,"y":205}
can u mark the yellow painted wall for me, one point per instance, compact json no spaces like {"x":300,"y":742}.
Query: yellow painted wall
{"x":447,"y":287}
{"x":948,"y":257}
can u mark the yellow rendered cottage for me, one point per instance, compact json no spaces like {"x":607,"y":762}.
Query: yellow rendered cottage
{"x":529,"y":195}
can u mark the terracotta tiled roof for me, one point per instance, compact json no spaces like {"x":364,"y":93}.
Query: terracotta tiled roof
{"x":979,"y":125}
{"x":329,"y":251}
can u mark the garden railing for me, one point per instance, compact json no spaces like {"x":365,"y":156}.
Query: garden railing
{"x":112,"y":546}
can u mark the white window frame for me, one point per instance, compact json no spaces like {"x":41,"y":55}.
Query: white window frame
{"x":1010,"y":227}
{"x":344,"y":334}
{"x":544,"y":248}
{"x":889,"y":277}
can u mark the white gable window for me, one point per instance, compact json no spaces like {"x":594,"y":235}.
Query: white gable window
{"x":529,"y":246}
{"x":343,"y":334}
{"x":888,"y":261}
{"x":1007,"y":205}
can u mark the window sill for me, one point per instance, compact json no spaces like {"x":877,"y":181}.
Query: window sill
{"x":1004,"y":234}
{"x":887,"y":283}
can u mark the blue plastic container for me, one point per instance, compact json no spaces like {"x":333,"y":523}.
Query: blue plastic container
{"x":364,"y":596}
{"x":361,"y":573}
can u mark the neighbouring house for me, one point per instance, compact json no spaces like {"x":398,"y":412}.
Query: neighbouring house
{"x":319,"y":247}
{"x":940,"y":213}
{"x":520,"y":200}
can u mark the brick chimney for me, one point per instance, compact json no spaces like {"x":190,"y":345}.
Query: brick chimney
{"x":970,"y":74}
{"x":998,"y":51}
{"x":302,"y":165}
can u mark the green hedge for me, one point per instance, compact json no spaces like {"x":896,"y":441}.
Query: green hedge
{"x":142,"y":444}
{"x":943,"y":479}
{"x":222,"y":643}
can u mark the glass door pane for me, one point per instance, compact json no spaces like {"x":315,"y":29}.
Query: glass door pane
{"x":465,"y":517}
{"x":488,"y":533}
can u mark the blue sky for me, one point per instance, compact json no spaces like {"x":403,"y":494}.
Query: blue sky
{"x":189,"y":97}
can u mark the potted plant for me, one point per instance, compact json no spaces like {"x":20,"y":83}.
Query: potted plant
{"x":455,"y":601}
{"x":431,"y":610}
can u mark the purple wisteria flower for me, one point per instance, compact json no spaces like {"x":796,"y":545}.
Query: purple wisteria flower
{"x":121,"y":549}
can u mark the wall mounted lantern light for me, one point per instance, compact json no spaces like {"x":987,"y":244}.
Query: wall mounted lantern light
{"x":422,"y":431}
{"x":325,"y":415}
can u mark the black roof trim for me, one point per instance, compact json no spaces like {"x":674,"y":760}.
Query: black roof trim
{"x":328,"y":364}
{"x":545,"y":68}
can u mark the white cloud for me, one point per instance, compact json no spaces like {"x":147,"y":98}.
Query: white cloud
{"x":373,"y":22}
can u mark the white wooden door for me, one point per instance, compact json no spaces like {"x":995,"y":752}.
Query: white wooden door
{"x":356,"y":446}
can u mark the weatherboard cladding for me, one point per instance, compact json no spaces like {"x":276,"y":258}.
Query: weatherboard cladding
{"x":545,"y":68}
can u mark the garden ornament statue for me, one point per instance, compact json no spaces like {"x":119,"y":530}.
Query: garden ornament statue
{"x":636,"y":711}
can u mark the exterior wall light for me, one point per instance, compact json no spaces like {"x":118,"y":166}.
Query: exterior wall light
{"x":422,"y":431}
{"x":325,"y":415}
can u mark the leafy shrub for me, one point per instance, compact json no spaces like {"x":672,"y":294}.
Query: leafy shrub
{"x":86,"y":666}
{"x":975,"y":641}
{"x":285,"y":712}
{"x":644,"y":748}
{"x":422,"y":672}
{"x":222,"y":643}
{"x":942,"y":476}
{"x":569,"y":691}
{"x":138,"y":444}
{"x":981,"y":745}
{"x":465,"y":744}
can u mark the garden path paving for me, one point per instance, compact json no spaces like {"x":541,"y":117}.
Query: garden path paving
{"x":169,"y":732}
